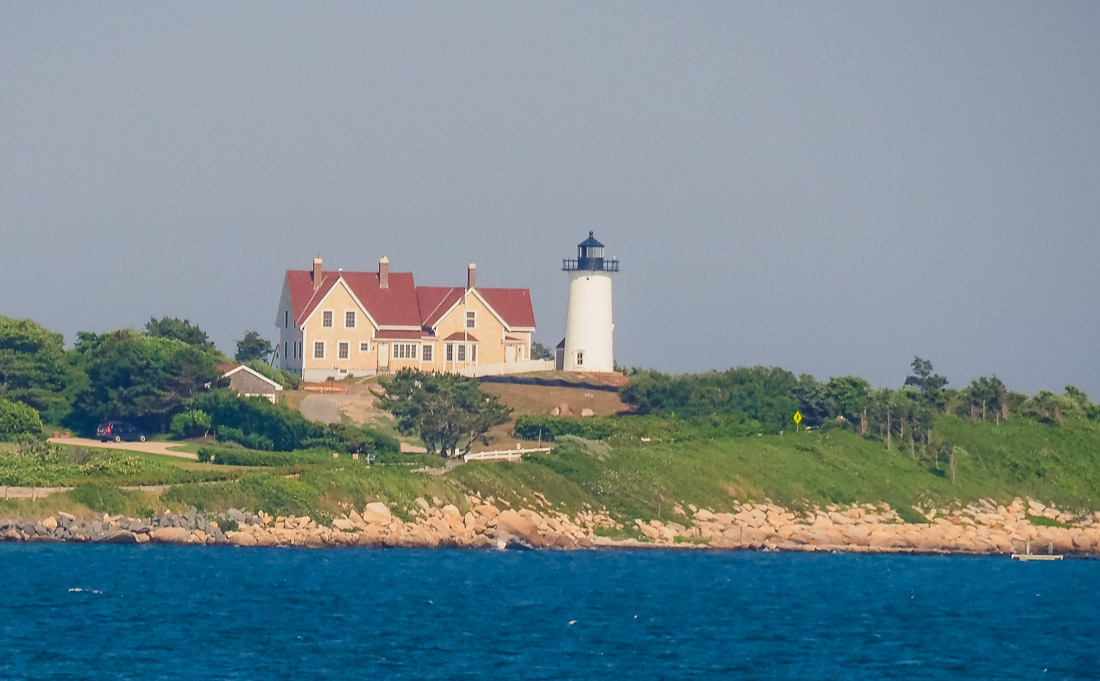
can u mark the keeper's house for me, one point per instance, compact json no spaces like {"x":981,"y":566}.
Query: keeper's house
{"x":336,"y":324}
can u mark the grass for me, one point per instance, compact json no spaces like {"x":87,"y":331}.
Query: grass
{"x":1056,"y":465}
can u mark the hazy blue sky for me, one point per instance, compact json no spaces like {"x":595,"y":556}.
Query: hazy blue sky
{"x":827,"y":187}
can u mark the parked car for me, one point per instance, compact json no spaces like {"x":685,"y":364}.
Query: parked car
{"x":119,"y":431}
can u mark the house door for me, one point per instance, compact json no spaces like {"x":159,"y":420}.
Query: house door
{"x":383,"y":356}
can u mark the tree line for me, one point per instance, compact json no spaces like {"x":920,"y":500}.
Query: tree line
{"x":902,"y":416}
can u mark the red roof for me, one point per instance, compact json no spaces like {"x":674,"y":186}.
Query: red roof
{"x":392,"y":306}
{"x":404,"y":303}
{"x":459,"y":336}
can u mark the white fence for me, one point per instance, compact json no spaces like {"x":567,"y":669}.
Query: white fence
{"x":504,"y":454}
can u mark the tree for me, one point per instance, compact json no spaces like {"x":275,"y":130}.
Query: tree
{"x":34,"y":368}
{"x":181,"y":330}
{"x":446,"y":411}
{"x":540,"y":351}
{"x":138,"y":377}
{"x":18,"y":419}
{"x":849,"y":397}
{"x":922,"y":377}
{"x":252,"y":347}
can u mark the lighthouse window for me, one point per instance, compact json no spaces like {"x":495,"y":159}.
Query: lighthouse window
{"x":471,"y":319}
{"x":580,"y":359}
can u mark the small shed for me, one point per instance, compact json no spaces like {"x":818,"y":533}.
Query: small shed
{"x":249,"y":383}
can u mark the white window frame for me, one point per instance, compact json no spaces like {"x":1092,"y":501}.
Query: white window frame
{"x":328,"y":319}
{"x":449,"y":352}
{"x":364,"y":346}
{"x":461,"y":352}
{"x":473,"y":352}
{"x":323,"y":349}
{"x":354,"y":319}
{"x":580,"y":358}
{"x":426,"y":352}
{"x":343,"y":348}
{"x":403,"y":350}
{"x":470,"y":319}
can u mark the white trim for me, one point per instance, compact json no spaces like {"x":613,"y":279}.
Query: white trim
{"x":354,"y":319}
{"x":462,"y":301}
{"x":332,"y":319}
{"x":324,"y":350}
{"x":361,"y":350}
{"x":430,"y":348}
{"x":415,"y":351}
{"x":351,"y":293}
{"x":338,"y":357}
{"x":254,"y":373}
{"x":466,"y":320}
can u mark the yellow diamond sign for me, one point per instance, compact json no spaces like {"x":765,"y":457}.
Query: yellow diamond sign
{"x":797,"y":417}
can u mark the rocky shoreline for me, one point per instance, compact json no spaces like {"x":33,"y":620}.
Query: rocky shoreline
{"x":982,"y":528}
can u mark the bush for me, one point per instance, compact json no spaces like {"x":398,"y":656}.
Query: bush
{"x":102,"y":498}
{"x":190,"y":423}
{"x":593,"y":448}
{"x":283,"y":378}
{"x":256,"y":422}
{"x":632,"y":429}
{"x":18,"y":419}
{"x":348,"y":439}
{"x":243,"y":457}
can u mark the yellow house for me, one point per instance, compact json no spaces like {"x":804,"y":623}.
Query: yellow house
{"x":336,"y":324}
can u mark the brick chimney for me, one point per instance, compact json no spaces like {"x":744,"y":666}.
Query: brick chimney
{"x":317,"y":272}
{"x":384,"y":272}
{"x":471,"y":276}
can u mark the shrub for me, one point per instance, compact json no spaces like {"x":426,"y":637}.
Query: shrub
{"x":18,"y":419}
{"x":244,"y":457}
{"x":283,"y":378}
{"x":349,"y":439}
{"x":190,"y":423}
{"x":255,"y":422}
{"x":631,"y":429}
{"x":249,"y":440}
{"x":593,"y":448}
{"x":102,"y":498}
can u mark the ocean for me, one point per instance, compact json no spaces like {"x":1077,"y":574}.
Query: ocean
{"x":170,"y":612}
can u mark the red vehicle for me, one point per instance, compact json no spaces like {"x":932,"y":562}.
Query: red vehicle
{"x":119,"y":431}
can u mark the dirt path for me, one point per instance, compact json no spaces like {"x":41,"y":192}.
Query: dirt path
{"x":165,"y":448}
{"x":321,"y":408}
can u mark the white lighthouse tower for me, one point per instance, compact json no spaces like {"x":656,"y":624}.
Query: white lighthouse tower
{"x":589,"y":331}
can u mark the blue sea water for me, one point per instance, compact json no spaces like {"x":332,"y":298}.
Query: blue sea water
{"x":162,"y":612}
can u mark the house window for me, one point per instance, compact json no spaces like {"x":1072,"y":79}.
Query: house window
{"x":473,"y":353}
{"x":364,"y":346}
{"x":450,"y":352}
{"x":462,"y":353}
{"x":342,"y":350}
{"x":285,"y":345}
{"x":286,"y":318}
{"x":404,"y":351}
{"x":471,"y":319}
{"x":349,"y":319}
{"x":318,"y":349}
{"x":326,"y":319}
{"x":427,"y":355}
{"x":580,"y":358}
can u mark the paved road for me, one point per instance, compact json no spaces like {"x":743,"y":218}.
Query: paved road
{"x":166,"y":448}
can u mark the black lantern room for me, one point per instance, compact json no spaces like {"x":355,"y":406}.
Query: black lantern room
{"x":590,"y":258}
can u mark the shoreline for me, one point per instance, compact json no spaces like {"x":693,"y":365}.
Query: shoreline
{"x":978,"y":529}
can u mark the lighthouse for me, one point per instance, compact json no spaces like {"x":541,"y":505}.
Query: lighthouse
{"x":589,"y":330}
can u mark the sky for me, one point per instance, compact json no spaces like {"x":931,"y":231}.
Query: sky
{"x":831,"y":188}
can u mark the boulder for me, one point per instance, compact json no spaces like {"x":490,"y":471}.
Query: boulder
{"x":50,"y":523}
{"x":170,"y":535}
{"x":586,"y":412}
{"x":241,"y":539}
{"x":511,"y":524}
{"x":378,"y":513}
{"x":343,"y":524}
{"x":118,"y":536}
